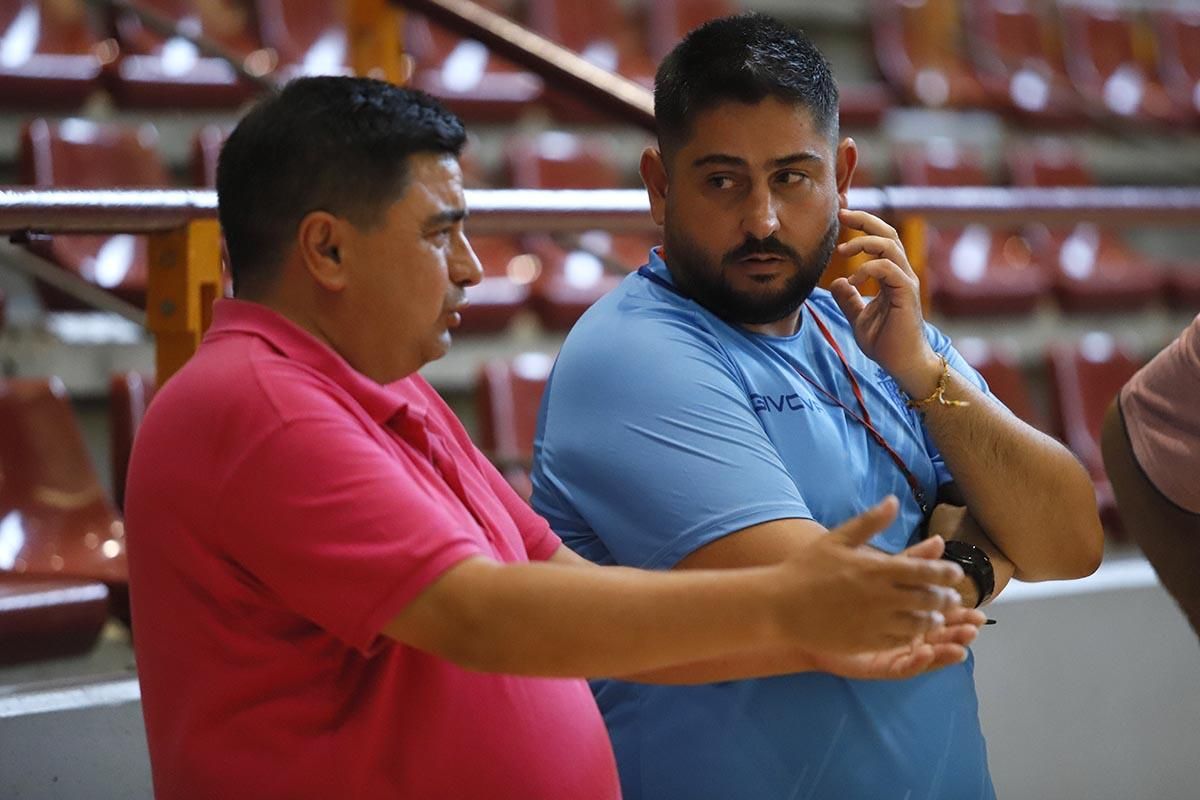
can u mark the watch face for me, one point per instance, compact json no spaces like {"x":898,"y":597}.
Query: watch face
{"x":966,"y":553}
{"x":975,"y":564}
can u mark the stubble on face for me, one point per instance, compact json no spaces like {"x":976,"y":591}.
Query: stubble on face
{"x":707,"y":282}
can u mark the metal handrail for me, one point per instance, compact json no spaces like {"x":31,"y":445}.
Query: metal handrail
{"x":31,"y":211}
{"x":606,"y":91}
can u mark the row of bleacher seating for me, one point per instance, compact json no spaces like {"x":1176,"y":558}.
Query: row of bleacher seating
{"x":973,"y":270}
{"x":56,"y":54}
{"x":1055,"y":63}
{"x":62,"y":554}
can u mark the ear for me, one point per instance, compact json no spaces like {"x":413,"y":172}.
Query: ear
{"x":319,"y":240}
{"x":847,"y":160}
{"x":654,"y":175}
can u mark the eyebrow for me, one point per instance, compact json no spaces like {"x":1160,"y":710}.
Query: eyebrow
{"x":448,"y":216}
{"x":735,"y":161}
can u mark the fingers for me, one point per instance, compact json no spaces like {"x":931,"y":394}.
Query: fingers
{"x":887,"y":272}
{"x":867,"y":223}
{"x":916,"y":573}
{"x":859,"y":530}
{"x":848,"y":298}
{"x":880,"y":247}
{"x":942,"y":599}
{"x":931,"y":548}
{"x":966,"y":616}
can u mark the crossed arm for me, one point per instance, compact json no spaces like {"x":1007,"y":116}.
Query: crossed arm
{"x":1031,"y":498}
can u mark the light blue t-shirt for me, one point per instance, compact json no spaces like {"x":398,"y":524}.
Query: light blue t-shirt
{"x":664,"y":428}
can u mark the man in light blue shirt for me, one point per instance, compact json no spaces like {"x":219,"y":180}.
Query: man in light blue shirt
{"x":717,"y":410}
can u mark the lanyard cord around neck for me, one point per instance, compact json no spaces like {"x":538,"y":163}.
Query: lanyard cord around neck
{"x":914,"y":484}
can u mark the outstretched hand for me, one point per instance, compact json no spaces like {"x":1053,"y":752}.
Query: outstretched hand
{"x":941,"y":647}
{"x":841,"y":597}
{"x":890,"y":327}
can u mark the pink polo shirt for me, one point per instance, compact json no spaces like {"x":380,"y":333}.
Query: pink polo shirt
{"x":281,"y":509}
{"x":1161,"y":410}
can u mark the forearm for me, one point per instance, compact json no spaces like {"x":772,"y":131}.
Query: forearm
{"x":602,"y":622}
{"x":1029,"y":494}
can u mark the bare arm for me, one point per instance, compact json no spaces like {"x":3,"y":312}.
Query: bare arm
{"x":1032,"y":497}
{"x":556,"y":619}
{"x":1167,"y":534}
{"x":777,"y":542}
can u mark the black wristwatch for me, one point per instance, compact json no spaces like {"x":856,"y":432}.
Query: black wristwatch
{"x":976,"y":564}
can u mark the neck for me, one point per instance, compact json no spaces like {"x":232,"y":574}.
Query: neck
{"x":780,"y":327}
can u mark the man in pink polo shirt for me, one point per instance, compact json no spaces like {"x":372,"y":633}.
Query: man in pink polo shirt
{"x":1151,"y":443}
{"x":334,"y":594}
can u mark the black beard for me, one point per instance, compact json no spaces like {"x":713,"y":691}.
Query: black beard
{"x":704,"y":282}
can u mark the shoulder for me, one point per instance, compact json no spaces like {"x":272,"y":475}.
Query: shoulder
{"x":240,"y":393}
{"x":641,"y":326}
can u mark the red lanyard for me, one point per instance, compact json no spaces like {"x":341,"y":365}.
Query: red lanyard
{"x":865,"y":419}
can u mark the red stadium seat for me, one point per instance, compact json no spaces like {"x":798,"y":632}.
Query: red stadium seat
{"x":973,"y":270}
{"x":1100,"y":47}
{"x":129,"y":396}
{"x":57,"y":521}
{"x":603,"y":34}
{"x":507,"y":399}
{"x":471,"y":81}
{"x":49,"y":617}
{"x":1084,"y":379}
{"x":1004,"y":378}
{"x":1093,"y":268}
{"x":1177,"y":33}
{"x":77,"y":153}
{"x":51,"y":57}
{"x":171,"y":73}
{"x":919,"y":47}
{"x":573,"y":279}
{"x":1019,"y":62}
{"x":308,"y":36}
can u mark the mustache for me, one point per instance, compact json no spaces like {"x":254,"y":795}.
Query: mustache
{"x":769,"y":246}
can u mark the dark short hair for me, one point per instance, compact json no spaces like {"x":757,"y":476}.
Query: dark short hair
{"x":744,"y":58}
{"x":337,"y":144}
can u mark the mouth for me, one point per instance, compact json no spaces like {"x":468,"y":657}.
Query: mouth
{"x":760,"y":265}
{"x":454,"y":314}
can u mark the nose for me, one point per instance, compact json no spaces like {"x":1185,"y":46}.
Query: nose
{"x":465,"y":269}
{"x":760,"y":218}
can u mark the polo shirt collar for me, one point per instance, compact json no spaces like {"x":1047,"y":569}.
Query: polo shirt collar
{"x":241,"y":317}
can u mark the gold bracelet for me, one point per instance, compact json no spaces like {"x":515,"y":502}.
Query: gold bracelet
{"x":939,"y":393}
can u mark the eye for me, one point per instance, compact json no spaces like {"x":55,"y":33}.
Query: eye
{"x":792,"y":177}
{"x":720,"y":181}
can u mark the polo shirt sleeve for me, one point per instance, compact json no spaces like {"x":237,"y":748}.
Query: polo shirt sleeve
{"x":941,"y":345}
{"x":321,"y":515}
{"x":657,"y":447}
{"x":1161,"y":409}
